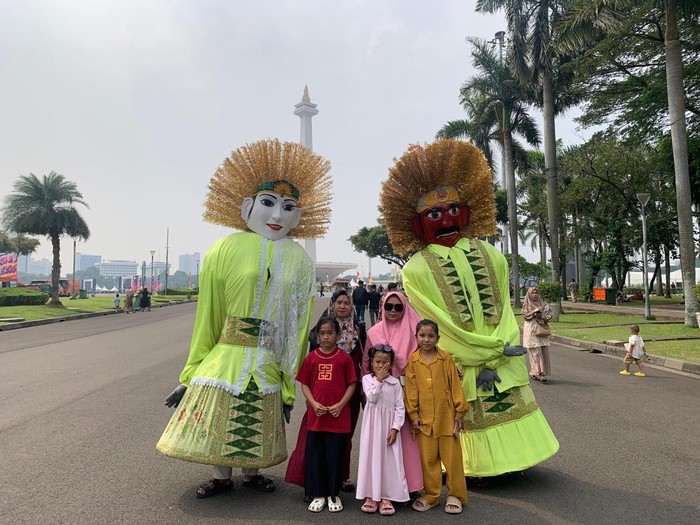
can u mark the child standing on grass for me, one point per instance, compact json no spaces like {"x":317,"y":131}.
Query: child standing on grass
{"x":381,"y":478}
{"x":436,"y":406}
{"x":117,"y":302}
{"x":327,"y":378}
{"x":635,"y":352}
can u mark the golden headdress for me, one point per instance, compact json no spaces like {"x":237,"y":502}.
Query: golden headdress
{"x":420,"y":170}
{"x":252,"y":166}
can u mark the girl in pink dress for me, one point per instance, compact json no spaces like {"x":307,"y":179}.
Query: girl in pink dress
{"x":398,"y":330}
{"x":381,"y":478}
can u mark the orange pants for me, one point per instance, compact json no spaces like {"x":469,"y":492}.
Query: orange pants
{"x":438,"y":451}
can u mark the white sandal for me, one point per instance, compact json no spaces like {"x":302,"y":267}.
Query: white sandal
{"x":335,"y":506}
{"x":317,"y":504}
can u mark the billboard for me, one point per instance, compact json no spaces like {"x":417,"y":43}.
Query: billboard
{"x":8,"y":267}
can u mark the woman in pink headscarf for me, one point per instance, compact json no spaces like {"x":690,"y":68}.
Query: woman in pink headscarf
{"x":397,"y":329}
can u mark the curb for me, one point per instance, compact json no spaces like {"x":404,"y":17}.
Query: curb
{"x":603,"y":348}
{"x":40,"y":322}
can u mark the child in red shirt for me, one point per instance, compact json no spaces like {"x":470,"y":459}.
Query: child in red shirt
{"x":327,"y":378}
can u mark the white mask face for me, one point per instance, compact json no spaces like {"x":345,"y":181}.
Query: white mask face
{"x":271,"y":214}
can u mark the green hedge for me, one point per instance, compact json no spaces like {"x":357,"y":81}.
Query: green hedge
{"x":180,"y":291}
{"x":550,"y":292}
{"x":22,"y":297}
{"x":696,"y":291}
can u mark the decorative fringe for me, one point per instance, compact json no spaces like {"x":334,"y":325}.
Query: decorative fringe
{"x":234,"y":390}
{"x":420,"y":170}
{"x":265,"y":161}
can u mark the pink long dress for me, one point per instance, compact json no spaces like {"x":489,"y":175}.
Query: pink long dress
{"x":400,"y":335}
{"x":381,"y":472}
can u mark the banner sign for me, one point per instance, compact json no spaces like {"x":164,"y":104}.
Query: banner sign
{"x":8,"y":267}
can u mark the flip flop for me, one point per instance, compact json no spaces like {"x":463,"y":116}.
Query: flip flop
{"x":317,"y":504}
{"x":452,"y":501}
{"x":369,"y":506}
{"x":421,"y":504}
{"x":335,"y":506}
{"x":386,"y":509}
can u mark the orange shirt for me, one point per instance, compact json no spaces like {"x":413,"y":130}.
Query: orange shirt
{"x":434,"y":393}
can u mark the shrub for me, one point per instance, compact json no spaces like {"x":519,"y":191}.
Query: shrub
{"x":550,"y":292}
{"x":696,"y":291}
{"x":180,"y":291}
{"x":22,"y":297}
{"x":584,"y":293}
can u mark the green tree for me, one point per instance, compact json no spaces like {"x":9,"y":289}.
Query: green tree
{"x":531,"y":25}
{"x":374,"y":242}
{"x":46,"y":207}
{"x":647,"y":71}
{"x":498,"y":97}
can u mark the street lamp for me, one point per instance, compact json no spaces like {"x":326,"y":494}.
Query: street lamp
{"x":643,"y":200}
{"x":153,"y":252}
{"x":197,"y":274}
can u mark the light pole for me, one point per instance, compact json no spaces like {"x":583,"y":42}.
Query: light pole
{"x":643,"y":200}
{"x":197,"y":274}
{"x":500,"y":39}
{"x":73,"y":295}
{"x":153,"y":252}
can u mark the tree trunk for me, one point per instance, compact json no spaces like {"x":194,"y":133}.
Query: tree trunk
{"x":55,"y":269}
{"x":543,"y":245}
{"x":550,"y":169}
{"x":679,"y":140}
{"x":512,"y":213}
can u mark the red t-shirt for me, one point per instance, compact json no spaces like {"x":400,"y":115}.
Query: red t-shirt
{"x":328,"y":377}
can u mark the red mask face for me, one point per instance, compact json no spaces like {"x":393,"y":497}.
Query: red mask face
{"x":441,"y":224}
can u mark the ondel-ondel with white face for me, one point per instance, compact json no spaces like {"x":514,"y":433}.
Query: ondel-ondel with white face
{"x":271,"y":214}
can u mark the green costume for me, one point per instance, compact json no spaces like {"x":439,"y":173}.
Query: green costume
{"x":465,"y":290}
{"x":250,"y":335}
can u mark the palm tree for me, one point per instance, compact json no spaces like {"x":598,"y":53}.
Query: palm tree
{"x":46,"y":207}
{"x":535,"y":59}
{"x":588,"y":20}
{"x":495,"y":104}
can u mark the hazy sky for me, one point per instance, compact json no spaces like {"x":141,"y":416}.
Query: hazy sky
{"x":138,"y":102}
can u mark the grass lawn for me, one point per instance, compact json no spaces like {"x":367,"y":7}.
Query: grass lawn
{"x":605,"y":327}
{"x":99,"y":303}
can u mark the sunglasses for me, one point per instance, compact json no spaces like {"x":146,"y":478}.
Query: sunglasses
{"x":396,"y":307}
{"x":383,"y":348}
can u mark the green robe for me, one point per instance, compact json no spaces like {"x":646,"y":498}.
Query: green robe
{"x":465,"y":290}
{"x":250,"y":336}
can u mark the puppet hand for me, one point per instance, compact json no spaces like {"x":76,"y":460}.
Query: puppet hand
{"x":513,"y":351}
{"x":486,"y":379}
{"x":175,"y":396}
{"x":287,"y":411}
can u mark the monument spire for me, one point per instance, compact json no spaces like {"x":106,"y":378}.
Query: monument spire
{"x":305,"y":110}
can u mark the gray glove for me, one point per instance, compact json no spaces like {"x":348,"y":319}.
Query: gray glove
{"x":287,"y":411}
{"x":514,"y":351}
{"x":486,"y":379}
{"x":175,"y":396}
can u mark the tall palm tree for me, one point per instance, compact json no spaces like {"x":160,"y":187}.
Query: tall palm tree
{"x":46,"y":207}
{"x":495,"y":103}
{"x":531,"y":25}
{"x":588,"y":20}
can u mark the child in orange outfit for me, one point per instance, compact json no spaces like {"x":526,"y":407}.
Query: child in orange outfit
{"x":436,"y":406}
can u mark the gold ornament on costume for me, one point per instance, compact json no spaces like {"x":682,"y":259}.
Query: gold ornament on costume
{"x":278,"y":166}
{"x":442,"y":165}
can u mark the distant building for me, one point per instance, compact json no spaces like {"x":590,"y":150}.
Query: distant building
{"x":118,"y":268}
{"x":27,"y":264}
{"x":158,"y":268}
{"x":84,"y":261}
{"x":188,"y":263}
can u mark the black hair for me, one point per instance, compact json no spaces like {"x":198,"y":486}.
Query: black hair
{"x":392,"y":286}
{"x":428,"y":322}
{"x":338,"y":293}
{"x":324,"y":320}
{"x":384,"y":349}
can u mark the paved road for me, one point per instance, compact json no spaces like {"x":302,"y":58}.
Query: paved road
{"x":81,"y":410}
